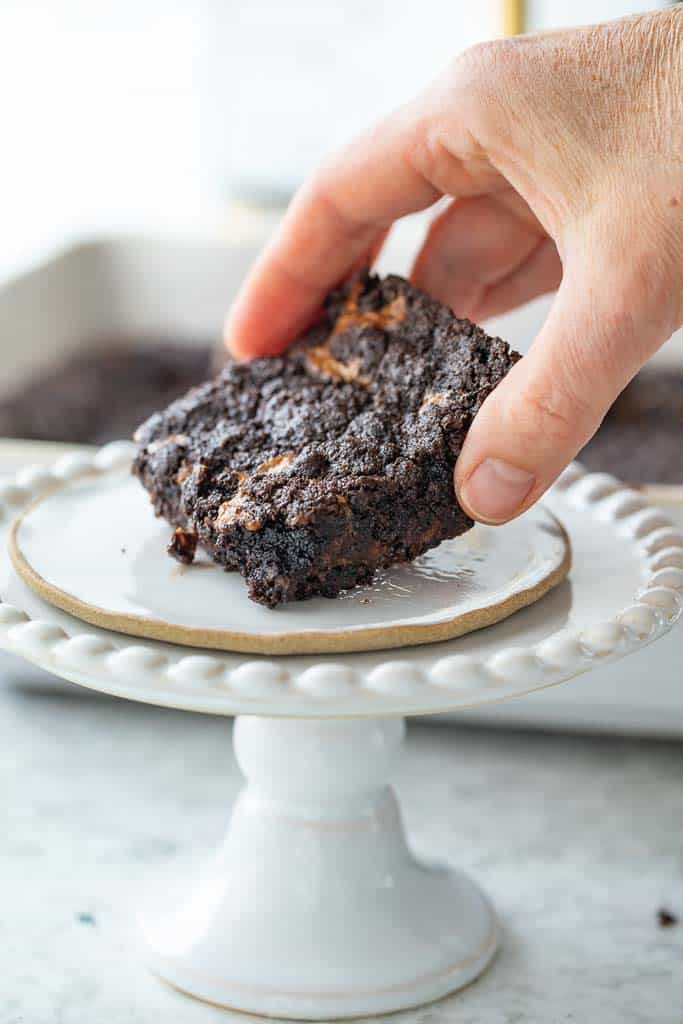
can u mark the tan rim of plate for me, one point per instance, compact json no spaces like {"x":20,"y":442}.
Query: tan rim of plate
{"x":374,"y":638}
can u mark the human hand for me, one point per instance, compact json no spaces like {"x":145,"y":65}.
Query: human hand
{"x":563,"y":153}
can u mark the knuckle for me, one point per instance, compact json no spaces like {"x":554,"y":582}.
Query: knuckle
{"x":552,"y":415}
{"x":475,"y":65}
{"x":427,"y":151}
{"x":483,"y":81}
{"x":321,"y":184}
{"x":322,"y":192}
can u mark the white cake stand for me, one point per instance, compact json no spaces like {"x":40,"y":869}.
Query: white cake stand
{"x":315,"y":907}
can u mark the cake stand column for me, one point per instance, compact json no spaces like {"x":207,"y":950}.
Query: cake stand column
{"x":315,"y":907}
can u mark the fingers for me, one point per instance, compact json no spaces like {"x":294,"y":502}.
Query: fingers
{"x":283,"y":294}
{"x":551,"y":403}
{"x":402,"y":166}
{"x":332,"y":222}
{"x":481,"y":255}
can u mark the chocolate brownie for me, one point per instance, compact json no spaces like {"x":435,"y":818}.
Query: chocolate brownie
{"x":641,"y":438}
{"x":309,"y":471}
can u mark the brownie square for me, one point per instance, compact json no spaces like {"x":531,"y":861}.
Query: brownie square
{"x":309,"y":471}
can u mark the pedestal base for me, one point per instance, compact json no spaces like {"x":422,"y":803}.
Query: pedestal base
{"x":315,"y":908}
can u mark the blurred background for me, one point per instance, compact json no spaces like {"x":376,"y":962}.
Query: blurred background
{"x":147,"y":115}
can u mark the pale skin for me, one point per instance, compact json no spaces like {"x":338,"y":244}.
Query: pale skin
{"x":562,"y":155}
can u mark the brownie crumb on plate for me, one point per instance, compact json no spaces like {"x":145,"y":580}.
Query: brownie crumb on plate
{"x":183,"y":545}
{"x":665,"y":919}
{"x":309,"y":471}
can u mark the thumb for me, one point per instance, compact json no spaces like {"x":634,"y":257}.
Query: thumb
{"x":551,"y":403}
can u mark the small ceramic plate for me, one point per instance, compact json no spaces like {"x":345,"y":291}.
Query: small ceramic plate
{"x":624,"y":592}
{"x":95,"y":550}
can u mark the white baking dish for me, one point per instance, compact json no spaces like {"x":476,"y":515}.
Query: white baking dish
{"x":116,"y":290}
{"x":148,"y":288}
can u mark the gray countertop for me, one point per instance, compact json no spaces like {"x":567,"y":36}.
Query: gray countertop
{"x":578,"y":841}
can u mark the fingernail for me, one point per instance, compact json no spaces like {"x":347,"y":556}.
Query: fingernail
{"x":496,"y":490}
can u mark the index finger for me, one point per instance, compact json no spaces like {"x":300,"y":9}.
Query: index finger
{"x":332,"y":222}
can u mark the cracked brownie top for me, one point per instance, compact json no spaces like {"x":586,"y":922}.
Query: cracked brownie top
{"x":347,"y":443}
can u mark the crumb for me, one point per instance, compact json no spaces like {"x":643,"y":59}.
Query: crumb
{"x":665,"y":919}
{"x":86,"y":918}
{"x":183,"y":545}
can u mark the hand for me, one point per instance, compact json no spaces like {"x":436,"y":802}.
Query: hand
{"x":563,"y":153}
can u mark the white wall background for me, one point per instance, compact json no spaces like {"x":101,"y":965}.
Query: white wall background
{"x":145,"y":113}
{"x":99,"y":117}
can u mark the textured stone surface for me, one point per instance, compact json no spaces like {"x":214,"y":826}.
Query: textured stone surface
{"x":577,"y":841}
